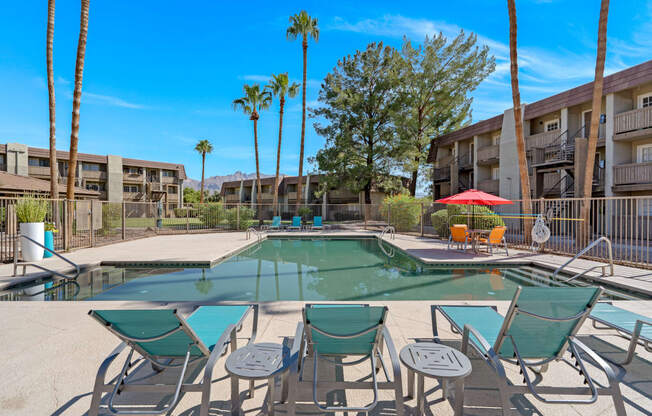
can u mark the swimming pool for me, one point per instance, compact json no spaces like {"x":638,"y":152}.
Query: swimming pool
{"x":301,"y":269}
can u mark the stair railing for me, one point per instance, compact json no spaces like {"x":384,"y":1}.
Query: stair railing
{"x":43,"y":268}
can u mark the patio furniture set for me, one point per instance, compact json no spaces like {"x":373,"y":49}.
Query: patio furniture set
{"x":540,"y":327}
{"x":296,"y":225}
{"x":461,"y":236}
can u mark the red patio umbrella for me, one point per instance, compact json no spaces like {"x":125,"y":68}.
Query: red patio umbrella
{"x":474,"y":197}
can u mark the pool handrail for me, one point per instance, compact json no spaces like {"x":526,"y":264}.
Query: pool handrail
{"x":43,"y":268}
{"x":584,"y":251}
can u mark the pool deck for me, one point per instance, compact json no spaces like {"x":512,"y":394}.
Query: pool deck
{"x":51,"y":350}
{"x":208,"y":249}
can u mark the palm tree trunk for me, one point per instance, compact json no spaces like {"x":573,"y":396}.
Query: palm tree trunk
{"x":278,"y":154}
{"x":203,"y":163}
{"x":596,"y":110}
{"x":518,"y":122}
{"x":257,"y":169}
{"x":76,"y":100}
{"x":303,"y":122}
{"x":54,"y":177}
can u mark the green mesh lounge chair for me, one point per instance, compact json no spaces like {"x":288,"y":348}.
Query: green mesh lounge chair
{"x":335,"y":332}
{"x":167,"y":340}
{"x":296,"y":223}
{"x":637,"y":328}
{"x":539,"y":328}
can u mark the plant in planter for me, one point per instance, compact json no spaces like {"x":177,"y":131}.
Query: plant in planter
{"x":31,"y":212}
{"x":304,"y":213}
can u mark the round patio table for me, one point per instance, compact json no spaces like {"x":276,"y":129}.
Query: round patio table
{"x":475,"y":236}
{"x":257,"y":362}
{"x":434,"y":360}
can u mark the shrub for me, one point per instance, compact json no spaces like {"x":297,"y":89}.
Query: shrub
{"x":404,"y":211}
{"x":246,"y":218}
{"x":111,"y":217}
{"x":211,"y":214}
{"x":305,"y":212}
{"x":31,"y":209}
{"x":485,"y":218}
{"x":183,"y":212}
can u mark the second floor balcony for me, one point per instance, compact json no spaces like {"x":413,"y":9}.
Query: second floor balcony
{"x":490,"y":186}
{"x":542,"y":139}
{"x":633,"y":124}
{"x":488,"y":155}
{"x":441,"y":174}
{"x":633,"y":176}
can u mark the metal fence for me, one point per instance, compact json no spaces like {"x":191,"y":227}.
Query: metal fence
{"x":85,"y":223}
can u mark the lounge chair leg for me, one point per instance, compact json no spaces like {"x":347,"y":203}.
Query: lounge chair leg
{"x":459,"y":397}
{"x":504,"y":398}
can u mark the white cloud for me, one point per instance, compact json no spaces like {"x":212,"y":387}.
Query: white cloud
{"x":109,"y":100}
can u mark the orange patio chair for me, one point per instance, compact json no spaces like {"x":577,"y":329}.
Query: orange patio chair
{"x":496,"y":239}
{"x":459,"y":235}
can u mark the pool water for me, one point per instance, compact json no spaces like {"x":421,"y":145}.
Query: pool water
{"x":302,"y":270}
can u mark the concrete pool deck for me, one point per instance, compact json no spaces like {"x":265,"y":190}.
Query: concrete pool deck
{"x":50,"y":351}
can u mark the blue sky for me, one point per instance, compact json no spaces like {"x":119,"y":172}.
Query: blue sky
{"x":161,"y":75}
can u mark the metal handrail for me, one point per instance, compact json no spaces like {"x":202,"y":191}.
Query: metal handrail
{"x":585,"y":250}
{"x":253,"y":230}
{"x":389,"y":229}
{"x":45,"y":269}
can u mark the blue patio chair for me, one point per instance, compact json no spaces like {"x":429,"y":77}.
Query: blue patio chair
{"x":276,"y":223}
{"x":333,"y":332}
{"x":539,"y":328}
{"x":317,"y":223}
{"x":167,"y":340}
{"x":637,"y":328}
{"x":296,"y":223}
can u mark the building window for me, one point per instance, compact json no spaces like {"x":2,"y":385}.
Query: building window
{"x":169,"y":173}
{"x":130,"y":188}
{"x":36,"y":161}
{"x":132,"y":170}
{"x":95,"y":186}
{"x":552,"y":125}
{"x":644,"y":153}
{"x":645,"y":101}
{"x":292,"y":188}
{"x":495,"y":173}
{"x":172,"y":189}
{"x":92,"y":167}
{"x":495,"y":139}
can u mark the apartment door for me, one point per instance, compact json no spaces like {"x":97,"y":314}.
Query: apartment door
{"x":586,"y":121}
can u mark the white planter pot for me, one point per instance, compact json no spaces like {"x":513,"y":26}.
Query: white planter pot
{"x":35,"y":231}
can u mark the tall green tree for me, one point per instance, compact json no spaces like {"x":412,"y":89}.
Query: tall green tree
{"x":49,"y":50}
{"x":203,"y":147}
{"x":254,"y":100}
{"x":280,"y":86}
{"x":359,"y":100}
{"x":304,"y":26}
{"x":76,"y":100}
{"x":436,"y":79}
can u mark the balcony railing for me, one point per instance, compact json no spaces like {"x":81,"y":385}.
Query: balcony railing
{"x":232,"y":198}
{"x":442,"y":174}
{"x":38,"y":170}
{"x":339,"y":194}
{"x":445,"y":161}
{"x":465,"y":160}
{"x":488,"y":153}
{"x":133,"y":177}
{"x":633,"y":173}
{"x":542,"y":139}
{"x":640,"y":118}
{"x":490,"y":185}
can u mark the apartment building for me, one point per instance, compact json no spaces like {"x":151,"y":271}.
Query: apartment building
{"x":483,"y":155}
{"x":244,"y":191}
{"x":109,"y":178}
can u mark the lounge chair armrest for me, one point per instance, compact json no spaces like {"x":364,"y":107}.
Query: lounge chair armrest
{"x":396,"y":365}
{"x":466,"y":339}
{"x":298,"y":339}
{"x":611,"y":375}
{"x":101,"y":372}
{"x":218,"y":350}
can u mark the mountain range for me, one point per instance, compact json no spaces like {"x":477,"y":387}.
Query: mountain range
{"x":214,"y":183}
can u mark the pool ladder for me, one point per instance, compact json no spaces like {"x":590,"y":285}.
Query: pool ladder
{"x":584,"y":251}
{"x":43,"y":268}
{"x":389,"y":229}
{"x":252,"y":230}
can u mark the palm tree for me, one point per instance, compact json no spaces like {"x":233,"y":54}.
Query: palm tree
{"x":76,"y":100}
{"x":518,"y":121}
{"x":203,"y":147}
{"x":280,"y":86}
{"x":596,"y":109}
{"x":54,"y":191}
{"x":303,"y":25}
{"x":254,"y":101}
